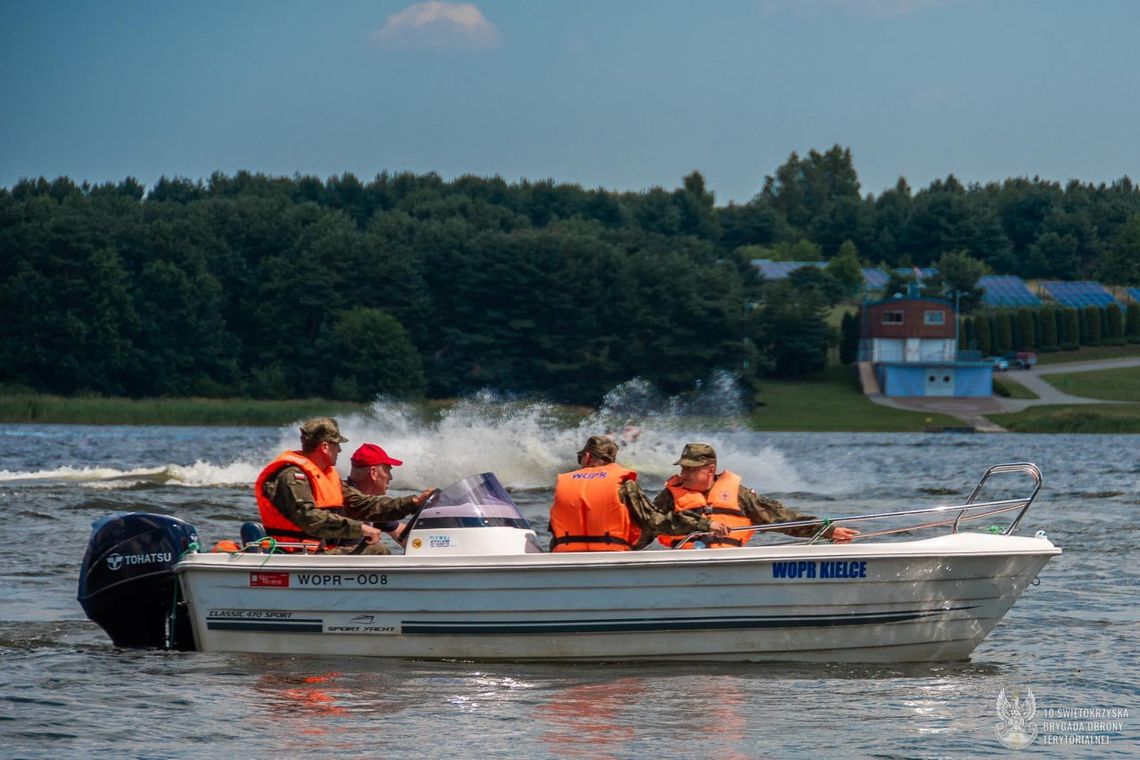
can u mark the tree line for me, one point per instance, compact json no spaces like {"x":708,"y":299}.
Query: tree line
{"x":1050,"y":328}
{"x":409,"y":285}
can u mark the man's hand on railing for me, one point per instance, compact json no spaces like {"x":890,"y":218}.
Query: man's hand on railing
{"x":717,"y":528}
{"x":841,"y":535}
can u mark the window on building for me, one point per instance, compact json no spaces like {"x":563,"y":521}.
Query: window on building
{"x":934,"y":317}
{"x":892,"y":317}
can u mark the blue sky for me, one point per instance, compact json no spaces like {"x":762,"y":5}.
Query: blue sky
{"x":619,"y":94}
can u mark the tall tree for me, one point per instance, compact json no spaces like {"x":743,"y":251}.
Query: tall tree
{"x":371,"y":356}
{"x":957,"y":280}
{"x":1120,"y":264}
{"x":818,"y":195}
{"x":793,"y":329}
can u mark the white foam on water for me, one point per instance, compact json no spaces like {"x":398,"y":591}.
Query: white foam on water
{"x":85,"y":474}
{"x":520,"y":442}
{"x":201,"y":473}
{"x":526,"y":445}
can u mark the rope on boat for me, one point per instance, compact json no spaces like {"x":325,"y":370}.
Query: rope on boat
{"x":271,"y":543}
{"x":172,"y":621}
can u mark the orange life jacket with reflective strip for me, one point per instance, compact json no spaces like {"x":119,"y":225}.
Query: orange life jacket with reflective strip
{"x":723,"y":502}
{"x":327,"y":494}
{"x":587,"y":514}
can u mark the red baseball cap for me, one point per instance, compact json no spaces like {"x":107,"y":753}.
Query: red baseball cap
{"x":370,"y":455}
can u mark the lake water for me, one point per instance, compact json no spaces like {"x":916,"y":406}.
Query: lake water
{"x":65,"y":691}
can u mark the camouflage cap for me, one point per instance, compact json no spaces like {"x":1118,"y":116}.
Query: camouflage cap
{"x":696,"y":455}
{"x":320,"y":429}
{"x":601,"y":447}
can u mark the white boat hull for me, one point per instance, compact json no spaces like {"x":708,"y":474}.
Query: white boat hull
{"x":929,"y":600}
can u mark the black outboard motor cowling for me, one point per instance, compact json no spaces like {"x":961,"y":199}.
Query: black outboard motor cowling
{"x":127,"y":583}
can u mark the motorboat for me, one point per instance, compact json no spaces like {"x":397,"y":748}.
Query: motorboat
{"x":475,"y":583}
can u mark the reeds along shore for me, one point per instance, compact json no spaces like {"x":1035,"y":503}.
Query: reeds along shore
{"x":94,"y":410}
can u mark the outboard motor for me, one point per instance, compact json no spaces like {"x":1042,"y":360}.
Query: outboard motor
{"x":127,"y":583}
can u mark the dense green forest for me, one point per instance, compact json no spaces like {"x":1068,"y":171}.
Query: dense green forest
{"x":409,"y":285}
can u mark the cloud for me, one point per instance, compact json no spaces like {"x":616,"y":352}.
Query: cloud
{"x":437,"y":26}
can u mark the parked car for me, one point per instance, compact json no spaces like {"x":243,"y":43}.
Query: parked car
{"x":1026,"y":359}
{"x":1000,"y":363}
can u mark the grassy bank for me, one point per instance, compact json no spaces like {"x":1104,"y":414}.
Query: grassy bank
{"x":1098,"y":418}
{"x":832,"y":402}
{"x":1089,"y":353}
{"x":85,"y":410}
{"x":1011,"y":389}
{"x":1108,"y":384}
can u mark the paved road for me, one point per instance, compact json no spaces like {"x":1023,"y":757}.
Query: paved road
{"x":973,"y":411}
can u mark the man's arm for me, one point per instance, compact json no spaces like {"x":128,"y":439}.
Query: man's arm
{"x":376,"y":509}
{"x":654,"y":520}
{"x":762,"y":510}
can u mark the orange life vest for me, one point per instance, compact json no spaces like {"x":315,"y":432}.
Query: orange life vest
{"x":327,"y":494}
{"x":588,"y":516}
{"x":723,"y":500}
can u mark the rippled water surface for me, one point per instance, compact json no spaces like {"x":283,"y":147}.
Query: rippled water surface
{"x":67,"y":692}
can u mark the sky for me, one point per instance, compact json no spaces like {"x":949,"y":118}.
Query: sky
{"x":620,"y":94}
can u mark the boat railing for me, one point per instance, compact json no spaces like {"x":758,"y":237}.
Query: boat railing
{"x":953,"y":515}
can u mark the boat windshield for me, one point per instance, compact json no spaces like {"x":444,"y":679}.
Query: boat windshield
{"x":477,"y":501}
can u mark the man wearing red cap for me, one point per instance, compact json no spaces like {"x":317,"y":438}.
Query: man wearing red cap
{"x":366,"y":486}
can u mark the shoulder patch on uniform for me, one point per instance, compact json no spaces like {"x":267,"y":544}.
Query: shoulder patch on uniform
{"x":299,"y":476}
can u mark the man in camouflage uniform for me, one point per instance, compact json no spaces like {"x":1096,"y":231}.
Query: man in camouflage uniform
{"x":288,"y":489}
{"x":366,"y":486}
{"x":699,"y":474}
{"x":600,"y":451}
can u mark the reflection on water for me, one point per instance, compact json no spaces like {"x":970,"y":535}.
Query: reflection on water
{"x":587,"y":720}
{"x":64,"y":691}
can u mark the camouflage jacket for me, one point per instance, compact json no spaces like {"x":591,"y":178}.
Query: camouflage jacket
{"x":293,"y":496}
{"x":383,"y":511}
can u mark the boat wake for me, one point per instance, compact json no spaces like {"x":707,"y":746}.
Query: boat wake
{"x":527,"y":443}
{"x":199,"y":474}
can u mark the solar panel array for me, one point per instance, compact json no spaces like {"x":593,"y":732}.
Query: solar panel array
{"x":1078,"y":294}
{"x":874,"y":278}
{"x":998,"y":290}
{"x":778,"y":270}
{"x":1006,"y":290}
